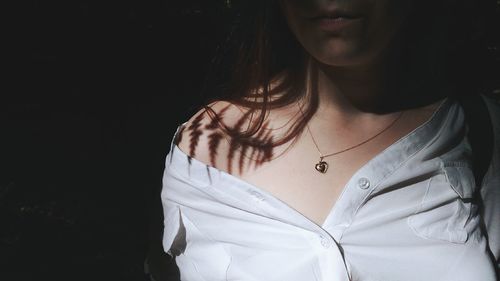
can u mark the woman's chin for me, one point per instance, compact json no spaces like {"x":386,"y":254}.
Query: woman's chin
{"x":340,"y":60}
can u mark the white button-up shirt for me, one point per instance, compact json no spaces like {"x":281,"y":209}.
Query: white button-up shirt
{"x":406,"y":215}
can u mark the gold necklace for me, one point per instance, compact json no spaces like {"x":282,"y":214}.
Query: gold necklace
{"x":322,"y":166}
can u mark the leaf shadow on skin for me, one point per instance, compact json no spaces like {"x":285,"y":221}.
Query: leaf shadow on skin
{"x":257,"y":149}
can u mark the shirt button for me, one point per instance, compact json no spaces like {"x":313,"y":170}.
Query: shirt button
{"x":363,"y":183}
{"x":324,"y":241}
{"x":257,"y":196}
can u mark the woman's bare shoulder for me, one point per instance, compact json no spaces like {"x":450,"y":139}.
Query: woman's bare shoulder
{"x":202,"y":138}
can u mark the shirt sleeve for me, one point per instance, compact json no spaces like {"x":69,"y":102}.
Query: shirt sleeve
{"x":490,"y":193}
{"x":490,"y":190}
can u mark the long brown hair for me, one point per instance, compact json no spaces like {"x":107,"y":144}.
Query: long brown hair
{"x":260,"y":48}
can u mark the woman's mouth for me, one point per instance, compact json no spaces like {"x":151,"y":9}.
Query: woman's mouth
{"x":334,"y":24}
{"x":335,"y":20}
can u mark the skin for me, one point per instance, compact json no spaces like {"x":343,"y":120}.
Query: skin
{"x":351,"y":73}
{"x":351,"y":63}
{"x":361,"y":44}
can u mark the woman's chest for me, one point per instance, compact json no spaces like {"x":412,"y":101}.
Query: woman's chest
{"x":297,"y":178}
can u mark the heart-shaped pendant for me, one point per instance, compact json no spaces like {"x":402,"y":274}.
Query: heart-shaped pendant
{"x":321,"y":167}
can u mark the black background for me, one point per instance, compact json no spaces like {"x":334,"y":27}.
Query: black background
{"x":96,"y":90}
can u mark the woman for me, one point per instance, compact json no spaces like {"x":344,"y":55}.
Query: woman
{"x":337,"y":152}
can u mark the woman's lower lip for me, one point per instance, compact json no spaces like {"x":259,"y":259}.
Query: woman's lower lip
{"x":335,"y":24}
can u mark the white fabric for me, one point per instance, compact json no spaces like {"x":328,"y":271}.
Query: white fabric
{"x":404,"y":216}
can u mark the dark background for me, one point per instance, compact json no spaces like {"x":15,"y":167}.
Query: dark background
{"x":96,"y":90}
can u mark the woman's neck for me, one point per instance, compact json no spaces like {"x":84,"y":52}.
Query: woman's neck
{"x":364,"y":89}
{"x":347,"y":90}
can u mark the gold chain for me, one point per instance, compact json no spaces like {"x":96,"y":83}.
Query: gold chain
{"x":322,"y":166}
